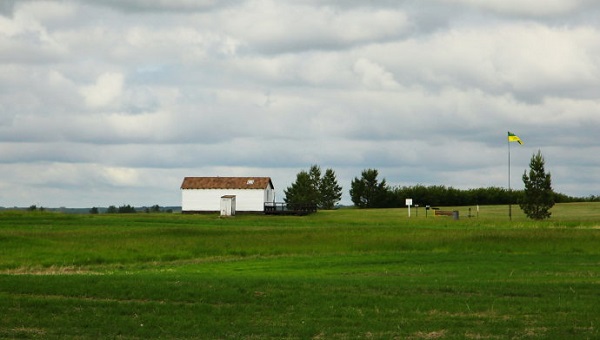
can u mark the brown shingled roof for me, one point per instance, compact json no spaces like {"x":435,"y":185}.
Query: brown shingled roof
{"x":226,"y":183}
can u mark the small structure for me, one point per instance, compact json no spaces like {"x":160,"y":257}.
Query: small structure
{"x":228,"y":205}
{"x":204,"y":194}
{"x":453,"y":213}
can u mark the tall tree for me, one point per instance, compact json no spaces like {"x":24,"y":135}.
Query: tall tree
{"x":303,"y":191}
{"x":538,"y":196}
{"x":329,"y":191}
{"x":368,"y":192}
{"x":315,"y":179}
{"x":313,"y":188}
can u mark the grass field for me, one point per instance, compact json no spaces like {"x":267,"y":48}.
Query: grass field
{"x":373,"y":274}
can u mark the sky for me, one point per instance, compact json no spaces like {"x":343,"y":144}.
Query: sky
{"x":113,"y":102}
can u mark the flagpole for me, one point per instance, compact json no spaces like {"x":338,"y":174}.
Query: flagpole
{"x":511,"y":138}
{"x":509,"y":190}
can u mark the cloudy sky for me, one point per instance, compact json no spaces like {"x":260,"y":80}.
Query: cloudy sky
{"x":111,"y":102}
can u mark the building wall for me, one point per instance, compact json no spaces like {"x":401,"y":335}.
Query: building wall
{"x":269,"y":195}
{"x":203,"y":200}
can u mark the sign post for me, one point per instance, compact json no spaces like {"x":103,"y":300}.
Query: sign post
{"x":409,"y":203}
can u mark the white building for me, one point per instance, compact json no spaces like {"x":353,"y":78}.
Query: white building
{"x":203,"y":194}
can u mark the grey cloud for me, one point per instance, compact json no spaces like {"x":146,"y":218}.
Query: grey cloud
{"x":7,"y":6}
{"x":184,"y":6}
{"x":525,"y":8}
{"x":124,"y":98}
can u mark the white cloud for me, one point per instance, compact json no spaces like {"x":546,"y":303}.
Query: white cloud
{"x":115,"y":96}
{"x":279,"y":27}
{"x":106,"y":91}
{"x":526,"y":60}
{"x":121,"y":176}
{"x":374,"y":76}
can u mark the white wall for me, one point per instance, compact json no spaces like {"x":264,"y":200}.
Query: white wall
{"x":210,"y":199}
{"x":269,"y":195}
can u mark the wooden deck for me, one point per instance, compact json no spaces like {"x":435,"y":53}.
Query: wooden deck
{"x":276,"y":208}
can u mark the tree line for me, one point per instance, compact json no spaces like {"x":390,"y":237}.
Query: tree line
{"x":128,"y":209}
{"x":368,"y":191}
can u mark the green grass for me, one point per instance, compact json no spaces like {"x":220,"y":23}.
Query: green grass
{"x":336,"y":274}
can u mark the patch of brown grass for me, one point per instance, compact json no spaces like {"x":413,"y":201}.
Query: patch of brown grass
{"x":430,"y":335}
{"x":52,"y":270}
{"x":28,"y":332}
{"x":477,"y":336}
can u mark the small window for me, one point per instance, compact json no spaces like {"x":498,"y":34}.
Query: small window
{"x":250,"y":182}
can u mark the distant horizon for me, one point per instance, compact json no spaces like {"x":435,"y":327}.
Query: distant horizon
{"x":178,"y":207}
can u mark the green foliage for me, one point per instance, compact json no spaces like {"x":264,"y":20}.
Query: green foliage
{"x":94,"y":211}
{"x":126,"y":209}
{"x":330,"y":191}
{"x":368,"y":192}
{"x":538,"y":196}
{"x":379,"y":196}
{"x":303,"y":191}
{"x":312,"y":188}
{"x":439,"y":195}
{"x":123,"y":209}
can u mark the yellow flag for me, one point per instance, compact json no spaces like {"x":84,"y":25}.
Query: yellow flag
{"x":514,"y":138}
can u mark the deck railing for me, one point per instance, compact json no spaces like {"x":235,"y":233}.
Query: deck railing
{"x":281,"y":208}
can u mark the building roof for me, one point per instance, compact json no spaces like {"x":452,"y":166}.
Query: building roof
{"x":226,"y":183}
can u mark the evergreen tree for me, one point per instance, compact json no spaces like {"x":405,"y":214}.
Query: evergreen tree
{"x":315,"y":179}
{"x":329,"y":190}
{"x":368,"y":192}
{"x":312,"y":188}
{"x":303,"y":191}
{"x":538,"y":196}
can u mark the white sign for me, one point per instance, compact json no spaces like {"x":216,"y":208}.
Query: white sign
{"x":409,"y":201}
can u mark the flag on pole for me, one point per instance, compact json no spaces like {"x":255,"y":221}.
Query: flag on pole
{"x":514,"y":138}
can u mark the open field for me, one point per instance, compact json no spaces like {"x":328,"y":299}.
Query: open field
{"x":336,"y":274}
